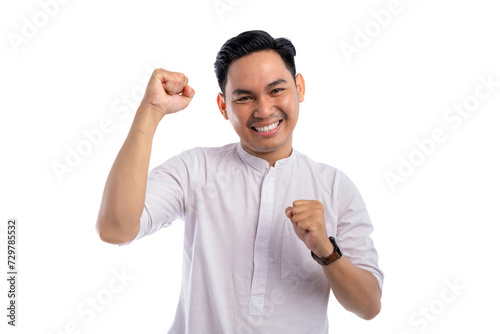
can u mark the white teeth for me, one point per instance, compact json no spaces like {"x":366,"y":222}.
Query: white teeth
{"x":268,"y":128}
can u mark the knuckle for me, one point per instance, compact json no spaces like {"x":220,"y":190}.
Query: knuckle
{"x":159,"y":71}
{"x":318,"y":205}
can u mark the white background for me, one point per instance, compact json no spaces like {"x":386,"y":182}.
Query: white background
{"x":438,"y":227}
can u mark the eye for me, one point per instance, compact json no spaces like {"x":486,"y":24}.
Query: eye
{"x":277,"y":90}
{"x":243,"y":99}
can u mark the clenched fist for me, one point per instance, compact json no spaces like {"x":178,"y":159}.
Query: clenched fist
{"x":308,"y":219}
{"x":167,"y":92}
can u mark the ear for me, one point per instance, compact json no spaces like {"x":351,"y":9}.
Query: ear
{"x":222,"y":105}
{"x":301,"y":86}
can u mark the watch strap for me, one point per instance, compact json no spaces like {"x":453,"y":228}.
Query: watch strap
{"x":337,"y":254}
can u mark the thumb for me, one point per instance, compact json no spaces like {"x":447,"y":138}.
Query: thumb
{"x":188,"y":92}
{"x":288,"y":212}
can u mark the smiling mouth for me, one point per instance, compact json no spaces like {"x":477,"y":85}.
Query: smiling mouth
{"x":268,"y":128}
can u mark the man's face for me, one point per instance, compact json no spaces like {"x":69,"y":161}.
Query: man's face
{"x":262,"y":103}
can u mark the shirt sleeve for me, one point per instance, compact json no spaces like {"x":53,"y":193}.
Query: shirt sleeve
{"x":354,"y":228}
{"x":167,"y":194}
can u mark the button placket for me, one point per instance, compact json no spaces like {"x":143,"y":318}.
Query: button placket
{"x":261,"y":245}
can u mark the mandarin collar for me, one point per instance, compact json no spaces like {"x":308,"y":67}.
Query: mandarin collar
{"x":257,"y":162}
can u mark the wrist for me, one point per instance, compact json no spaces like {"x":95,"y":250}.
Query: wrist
{"x":328,"y":259}
{"x":149,"y":110}
{"x":325,"y":250}
{"x":146,"y":119}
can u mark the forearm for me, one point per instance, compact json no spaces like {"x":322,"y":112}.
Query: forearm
{"x":125,"y":190}
{"x":356,"y":289}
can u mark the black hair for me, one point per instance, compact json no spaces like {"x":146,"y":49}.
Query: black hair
{"x":249,"y":42}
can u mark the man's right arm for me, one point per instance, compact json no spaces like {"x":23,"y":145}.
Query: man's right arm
{"x":124,"y":194}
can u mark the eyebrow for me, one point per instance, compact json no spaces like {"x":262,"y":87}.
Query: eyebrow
{"x":239,"y":91}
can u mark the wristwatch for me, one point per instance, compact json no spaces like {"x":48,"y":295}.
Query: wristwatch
{"x":324,"y":261}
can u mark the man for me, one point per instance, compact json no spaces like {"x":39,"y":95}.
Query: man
{"x":257,"y":213}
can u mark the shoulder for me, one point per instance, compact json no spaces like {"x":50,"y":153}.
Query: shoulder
{"x":209,"y":154}
{"x":215,"y":151}
{"x":328,"y":176}
{"x":203,"y":153}
{"x":304,"y":162}
{"x":198,"y":158}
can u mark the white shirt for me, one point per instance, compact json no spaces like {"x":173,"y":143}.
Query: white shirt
{"x":244,"y":268}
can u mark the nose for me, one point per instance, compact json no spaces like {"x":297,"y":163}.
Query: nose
{"x":264,"y":107}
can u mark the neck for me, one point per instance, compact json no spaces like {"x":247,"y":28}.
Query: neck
{"x":272,"y":156}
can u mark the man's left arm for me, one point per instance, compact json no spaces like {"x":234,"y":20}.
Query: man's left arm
{"x":356,"y":289}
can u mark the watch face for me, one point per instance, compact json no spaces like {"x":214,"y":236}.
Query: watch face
{"x":337,"y":254}
{"x":335,"y":246}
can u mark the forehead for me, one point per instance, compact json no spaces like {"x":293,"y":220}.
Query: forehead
{"x":255,"y":69}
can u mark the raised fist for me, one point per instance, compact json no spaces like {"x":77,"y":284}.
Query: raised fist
{"x":167,"y":92}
